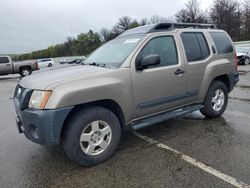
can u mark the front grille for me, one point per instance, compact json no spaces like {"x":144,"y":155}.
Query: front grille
{"x":19,"y":92}
{"x":22,"y":96}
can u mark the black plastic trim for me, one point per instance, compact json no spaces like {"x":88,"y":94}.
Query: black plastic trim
{"x":168,"y":99}
{"x":149,"y":121}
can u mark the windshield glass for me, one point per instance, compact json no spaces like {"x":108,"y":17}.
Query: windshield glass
{"x":242,"y":50}
{"x":114,"y":53}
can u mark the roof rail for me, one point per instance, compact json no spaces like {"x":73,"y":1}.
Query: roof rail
{"x":195,"y":25}
{"x":172,"y":26}
{"x":166,"y":27}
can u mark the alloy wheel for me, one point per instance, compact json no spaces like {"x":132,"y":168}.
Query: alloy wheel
{"x":218,"y":100}
{"x":95,"y":138}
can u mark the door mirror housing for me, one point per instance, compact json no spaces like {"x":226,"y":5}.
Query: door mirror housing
{"x":147,"y":61}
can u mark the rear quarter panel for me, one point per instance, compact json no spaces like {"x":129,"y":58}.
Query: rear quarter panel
{"x":214,"y":69}
{"x":220,"y":64}
{"x":18,"y":65}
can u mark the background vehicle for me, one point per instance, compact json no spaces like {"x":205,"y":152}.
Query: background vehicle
{"x":145,"y":76}
{"x":72,"y":61}
{"x":76,"y":61}
{"x":243,"y":55}
{"x":9,"y":67}
{"x":47,"y":62}
{"x":66,"y":61}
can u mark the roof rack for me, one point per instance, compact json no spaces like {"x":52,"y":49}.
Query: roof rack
{"x":166,"y":27}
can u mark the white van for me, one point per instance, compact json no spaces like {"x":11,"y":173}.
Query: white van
{"x":47,"y":62}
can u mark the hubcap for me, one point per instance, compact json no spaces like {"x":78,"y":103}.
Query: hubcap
{"x":247,"y":61}
{"x":95,"y":138}
{"x":26,"y":72}
{"x":218,"y":100}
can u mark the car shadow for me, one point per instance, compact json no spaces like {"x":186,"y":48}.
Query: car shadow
{"x":10,"y":78}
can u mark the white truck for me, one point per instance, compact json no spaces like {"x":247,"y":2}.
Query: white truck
{"x":7,"y":66}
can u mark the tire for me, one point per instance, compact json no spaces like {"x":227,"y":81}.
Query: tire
{"x":25,"y":71}
{"x":247,"y":61}
{"x":49,"y":65}
{"x":79,"y":125}
{"x":212,"y":109}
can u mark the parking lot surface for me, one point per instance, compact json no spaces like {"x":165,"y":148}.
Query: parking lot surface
{"x":144,"y":158}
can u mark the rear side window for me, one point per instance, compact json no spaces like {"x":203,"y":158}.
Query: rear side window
{"x":203,"y":44}
{"x":195,"y":46}
{"x":43,"y":60}
{"x":4,"y":60}
{"x":222,"y":42}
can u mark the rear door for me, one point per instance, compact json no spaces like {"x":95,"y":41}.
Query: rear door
{"x":197,"y":56}
{"x":43,"y":62}
{"x":5,"y":66}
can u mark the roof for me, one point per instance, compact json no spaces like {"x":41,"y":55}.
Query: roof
{"x":160,"y":27}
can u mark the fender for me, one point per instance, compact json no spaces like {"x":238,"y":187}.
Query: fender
{"x":91,"y":90}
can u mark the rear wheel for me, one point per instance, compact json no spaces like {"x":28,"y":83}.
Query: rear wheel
{"x":25,"y":71}
{"x":216,"y":100}
{"x":50,"y":65}
{"x":92,"y":136}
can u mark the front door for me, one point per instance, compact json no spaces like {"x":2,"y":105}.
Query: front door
{"x":5,"y":66}
{"x":161,"y":87}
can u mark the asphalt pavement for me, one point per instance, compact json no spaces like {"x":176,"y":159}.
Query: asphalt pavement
{"x":188,"y":151}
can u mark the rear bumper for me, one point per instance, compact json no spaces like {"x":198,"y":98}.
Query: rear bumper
{"x":233,"y":79}
{"x":241,"y":59}
{"x":42,"y":126}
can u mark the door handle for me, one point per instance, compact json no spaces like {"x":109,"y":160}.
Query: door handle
{"x":179,"y":72}
{"x":8,"y":65}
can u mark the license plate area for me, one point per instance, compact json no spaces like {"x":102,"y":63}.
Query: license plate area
{"x":19,"y":125}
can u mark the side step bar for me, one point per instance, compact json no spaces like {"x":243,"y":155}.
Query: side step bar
{"x":149,"y":121}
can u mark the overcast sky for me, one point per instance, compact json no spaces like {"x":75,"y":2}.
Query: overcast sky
{"x":28,"y":25}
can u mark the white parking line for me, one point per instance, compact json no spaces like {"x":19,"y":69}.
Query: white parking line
{"x":196,"y":163}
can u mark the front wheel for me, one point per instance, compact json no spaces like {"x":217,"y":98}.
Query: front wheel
{"x":247,"y":61}
{"x":216,"y":100}
{"x":92,"y":136}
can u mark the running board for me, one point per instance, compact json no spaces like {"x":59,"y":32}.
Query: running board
{"x":149,"y":121}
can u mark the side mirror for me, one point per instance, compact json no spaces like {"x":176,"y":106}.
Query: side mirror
{"x":149,"y":60}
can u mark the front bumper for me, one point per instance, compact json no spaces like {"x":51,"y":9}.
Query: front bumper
{"x":40,"y":126}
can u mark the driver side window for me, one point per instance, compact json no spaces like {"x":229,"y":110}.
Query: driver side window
{"x":162,"y":46}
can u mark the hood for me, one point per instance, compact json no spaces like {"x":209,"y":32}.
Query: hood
{"x":241,"y":54}
{"x":43,"y":80}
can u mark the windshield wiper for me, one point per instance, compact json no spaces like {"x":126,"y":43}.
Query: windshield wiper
{"x":98,"y":64}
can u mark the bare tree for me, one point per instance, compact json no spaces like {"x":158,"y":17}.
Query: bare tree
{"x":246,"y":20}
{"x":104,"y":33}
{"x":123,"y":24}
{"x":144,"y":21}
{"x":158,"y":19}
{"x":226,"y":14}
{"x":192,"y":13}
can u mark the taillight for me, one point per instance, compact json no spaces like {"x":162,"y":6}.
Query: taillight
{"x":236,"y":61}
{"x":36,"y":66}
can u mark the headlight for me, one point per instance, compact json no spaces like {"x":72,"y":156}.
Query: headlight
{"x":39,"y":99}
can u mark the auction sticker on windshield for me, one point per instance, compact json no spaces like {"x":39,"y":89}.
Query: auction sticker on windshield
{"x":131,"y":40}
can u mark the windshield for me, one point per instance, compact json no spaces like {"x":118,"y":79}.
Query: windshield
{"x":242,"y":50}
{"x":115,"y":52}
